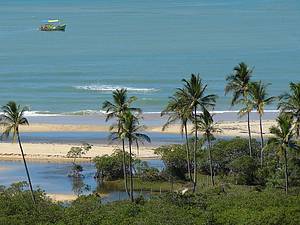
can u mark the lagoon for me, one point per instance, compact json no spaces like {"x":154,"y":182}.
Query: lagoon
{"x":54,"y":179}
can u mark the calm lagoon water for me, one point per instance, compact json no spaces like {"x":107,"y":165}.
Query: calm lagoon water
{"x":146,"y":46}
{"x":53,"y":177}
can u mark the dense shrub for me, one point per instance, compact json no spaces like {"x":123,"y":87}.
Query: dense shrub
{"x":236,"y":206}
{"x":244,"y":170}
{"x":110,"y":167}
{"x":174,"y":157}
{"x":226,"y":151}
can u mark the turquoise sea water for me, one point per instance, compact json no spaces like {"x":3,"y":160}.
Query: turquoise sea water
{"x":146,"y":46}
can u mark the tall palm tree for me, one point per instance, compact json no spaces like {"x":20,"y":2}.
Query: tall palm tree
{"x":290,"y":103}
{"x":12,"y":118}
{"x":131,"y":130}
{"x":259,"y":99}
{"x":208,"y":127}
{"x":238,"y":84}
{"x":121,"y":104}
{"x":283,"y":140}
{"x":178,"y":109}
{"x":194,"y":91}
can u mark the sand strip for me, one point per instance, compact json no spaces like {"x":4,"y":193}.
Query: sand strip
{"x":58,"y":152}
{"x":62,"y":197}
{"x":237,"y":128}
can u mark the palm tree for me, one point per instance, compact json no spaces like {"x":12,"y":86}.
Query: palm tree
{"x":283,"y":140}
{"x":131,"y":131}
{"x":121,"y":104}
{"x":238,"y":84}
{"x":194,"y":92}
{"x":290,"y":103}
{"x":208,"y":127}
{"x":12,"y":118}
{"x":259,"y":99}
{"x":178,"y":109}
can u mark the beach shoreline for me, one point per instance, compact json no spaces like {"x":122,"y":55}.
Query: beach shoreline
{"x":230,"y":128}
{"x":45,"y":152}
{"x":54,"y":152}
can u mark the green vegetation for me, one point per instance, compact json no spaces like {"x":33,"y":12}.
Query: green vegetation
{"x":77,"y":152}
{"x":110,"y":167}
{"x":234,"y":205}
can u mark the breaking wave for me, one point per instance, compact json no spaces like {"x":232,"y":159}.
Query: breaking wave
{"x":110,"y":88}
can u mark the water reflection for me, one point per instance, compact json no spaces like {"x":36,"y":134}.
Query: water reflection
{"x":53,"y":178}
{"x":78,"y":185}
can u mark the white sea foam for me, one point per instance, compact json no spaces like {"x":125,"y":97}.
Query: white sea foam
{"x":110,"y":88}
{"x":90,"y":112}
{"x":39,"y":114}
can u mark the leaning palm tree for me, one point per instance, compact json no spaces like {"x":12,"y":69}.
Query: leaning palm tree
{"x":194,"y":92}
{"x":121,"y":104}
{"x":131,"y":131}
{"x":208,"y":127}
{"x":178,"y":109}
{"x":259,"y":99}
{"x":290,"y":103}
{"x":238,"y":84}
{"x":283,"y":140}
{"x":12,"y":118}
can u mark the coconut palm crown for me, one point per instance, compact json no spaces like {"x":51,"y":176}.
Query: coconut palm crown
{"x":121,"y":103}
{"x":290,"y":103}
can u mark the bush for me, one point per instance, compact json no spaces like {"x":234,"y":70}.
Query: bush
{"x":244,"y":170}
{"x":235,"y":207}
{"x":226,"y":151}
{"x":111,"y":167}
{"x":174,"y":157}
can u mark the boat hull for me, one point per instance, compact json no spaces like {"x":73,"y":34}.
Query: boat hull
{"x":53,"y":28}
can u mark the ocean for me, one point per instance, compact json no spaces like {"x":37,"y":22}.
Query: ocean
{"x":144,"y":46}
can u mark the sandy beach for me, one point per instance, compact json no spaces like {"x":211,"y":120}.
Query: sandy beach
{"x":62,"y":197}
{"x":229,"y":128}
{"x":57,"y":152}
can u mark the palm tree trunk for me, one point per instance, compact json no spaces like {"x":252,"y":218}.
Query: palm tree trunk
{"x":262,"y":140}
{"x":130,"y":168}
{"x":26,"y":168}
{"x":195,"y":149}
{"x":249,"y":133}
{"x":286,"y":172}
{"x":187,"y":152}
{"x":210,"y":162}
{"x":124,"y":168}
{"x":298,"y":127}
